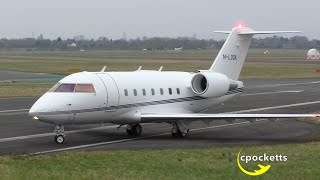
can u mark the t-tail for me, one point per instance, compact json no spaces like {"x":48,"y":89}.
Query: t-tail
{"x":231,"y":57}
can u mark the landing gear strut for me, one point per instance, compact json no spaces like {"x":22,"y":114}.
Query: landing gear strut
{"x":60,"y":136}
{"x":134,"y":129}
{"x":176,"y":132}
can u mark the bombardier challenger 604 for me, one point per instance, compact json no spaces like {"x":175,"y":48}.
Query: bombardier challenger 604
{"x":144,"y":96}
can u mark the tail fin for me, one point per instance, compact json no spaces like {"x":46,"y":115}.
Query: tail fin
{"x":231,"y":57}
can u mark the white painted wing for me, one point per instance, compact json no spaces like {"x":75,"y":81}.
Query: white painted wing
{"x":150,"y":117}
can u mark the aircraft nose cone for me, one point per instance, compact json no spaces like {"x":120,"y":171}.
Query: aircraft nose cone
{"x":33,"y":111}
{"x":37,"y":108}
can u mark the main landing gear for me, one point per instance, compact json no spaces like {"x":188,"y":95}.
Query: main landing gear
{"x":60,"y":136}
{"x":176,"y":132}
{"x":134,"y":129}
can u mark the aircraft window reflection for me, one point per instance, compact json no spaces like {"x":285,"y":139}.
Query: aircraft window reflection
{"x":152,"y":91}
{"x":135,"y":92}
{"x":65,"y":88}
{"x":144,"y":92}
{"x":161,"y":91}
{"x":178,"y":91}
{"x":170,"y":91}
{"x":85,"y":88}
{"x":126,"y":92}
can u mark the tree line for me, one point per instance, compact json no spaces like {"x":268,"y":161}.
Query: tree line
{"x":154,"y":43}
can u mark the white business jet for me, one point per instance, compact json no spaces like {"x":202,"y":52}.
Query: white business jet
{"x":133,"y":98}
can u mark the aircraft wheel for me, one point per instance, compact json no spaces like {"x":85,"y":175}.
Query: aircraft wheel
{"x":174,"y":132}
{"x":130,"y":129}
{"x":59,"y":139}
{"x":184,"y":134}
{"x":134,"y":130}
{"x":137,"y":130}
{"x":180,"y":134}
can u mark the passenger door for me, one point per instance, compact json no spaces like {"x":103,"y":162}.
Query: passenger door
{"x":112,"y":90}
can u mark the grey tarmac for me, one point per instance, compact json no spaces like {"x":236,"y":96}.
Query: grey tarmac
{"x":21,"y":135}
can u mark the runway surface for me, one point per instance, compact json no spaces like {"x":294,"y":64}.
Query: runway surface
{"x":14,"y":75}
{"x":20,"y":135}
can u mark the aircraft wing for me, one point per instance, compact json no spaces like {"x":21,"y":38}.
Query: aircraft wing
{"x":150,"y":117}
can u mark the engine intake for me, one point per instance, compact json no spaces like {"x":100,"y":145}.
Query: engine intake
{"x":210,"y":84}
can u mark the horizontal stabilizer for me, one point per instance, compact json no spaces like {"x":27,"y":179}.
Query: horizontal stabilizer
{"x":267,"y":32}
{"x":223,"y":32}
{"x":257,"y":32}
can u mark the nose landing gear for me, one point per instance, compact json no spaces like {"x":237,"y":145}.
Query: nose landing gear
{"x":60,"y":136}
{"x":134,"y":129}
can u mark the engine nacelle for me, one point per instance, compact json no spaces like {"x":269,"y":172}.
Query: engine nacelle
{"x":210,"y":84}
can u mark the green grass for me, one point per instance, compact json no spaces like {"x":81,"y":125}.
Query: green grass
{"x":59,"y":62}
{"x":284,"y":54}
{"x":212,"y":163}
{"x":24,"y":88}
{"x":273,"y":70}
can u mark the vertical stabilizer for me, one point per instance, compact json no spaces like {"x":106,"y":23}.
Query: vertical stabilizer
{"x":232,"y":55}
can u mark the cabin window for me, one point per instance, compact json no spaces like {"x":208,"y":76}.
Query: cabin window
{"x":65,"y":88}
{"x":170,"y":91}
{"x":135,"y":92}
{"x":85,"y":88}
{"x":178,"y":91}
{"x":152,"y":92}
{"x":126,"y":92}
{"x":144,"y":92}
{"x":161,"y":91}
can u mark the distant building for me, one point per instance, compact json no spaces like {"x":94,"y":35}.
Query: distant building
{"x":72,"y":45}
{"x":313,"y":54}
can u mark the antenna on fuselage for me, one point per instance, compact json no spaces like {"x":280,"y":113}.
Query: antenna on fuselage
{"x":140,"y":67}
{"x":103,"y":69}
{"x":160,"y":69}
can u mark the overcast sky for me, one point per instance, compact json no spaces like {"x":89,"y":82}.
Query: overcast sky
{"x":137,"y":18}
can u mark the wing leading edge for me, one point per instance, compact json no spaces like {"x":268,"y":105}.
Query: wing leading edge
{"x":150,"y":117}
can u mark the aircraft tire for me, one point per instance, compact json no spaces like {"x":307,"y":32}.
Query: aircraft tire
{"x":137,"y":129}
{"x":59,"y":139}
{"x":180,"y":134}
{"x":134,"y":130}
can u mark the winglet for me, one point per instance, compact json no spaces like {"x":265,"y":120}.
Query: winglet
{"x":160,"y":69}
{"x":140,"y":67}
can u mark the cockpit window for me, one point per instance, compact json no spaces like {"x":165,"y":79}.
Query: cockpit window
{"x":65,"y":88}
{"x":85,"y":88}
{"x":79,"y":88}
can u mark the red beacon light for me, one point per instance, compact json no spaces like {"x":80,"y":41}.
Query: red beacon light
{"x":240,"y":26}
